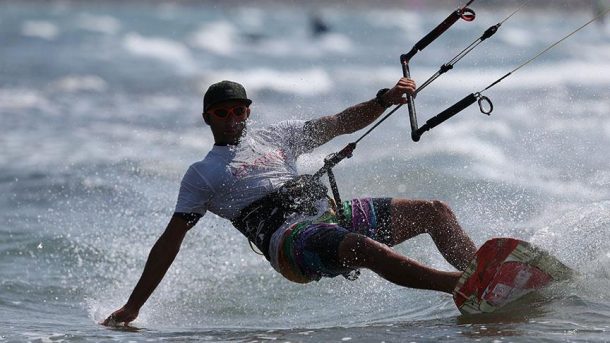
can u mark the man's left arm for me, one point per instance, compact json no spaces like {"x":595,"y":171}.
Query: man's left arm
{"x":358,"y":116}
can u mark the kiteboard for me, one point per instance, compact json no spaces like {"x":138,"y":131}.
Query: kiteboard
{"x":503,"y":271}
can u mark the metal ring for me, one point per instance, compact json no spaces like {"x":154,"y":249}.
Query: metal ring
{"x":482,"y":101}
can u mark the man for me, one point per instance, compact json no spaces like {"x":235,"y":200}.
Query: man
{"x":250,"y":178}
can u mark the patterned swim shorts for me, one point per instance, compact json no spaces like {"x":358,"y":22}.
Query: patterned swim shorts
{"x":307,"y":250}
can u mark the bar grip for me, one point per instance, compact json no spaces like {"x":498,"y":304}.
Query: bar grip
{"x":410,"y":100}
{"x":446,"y":114}
{"x":434,"y":34}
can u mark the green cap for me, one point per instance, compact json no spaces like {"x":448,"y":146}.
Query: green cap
{"x":223,"y":91}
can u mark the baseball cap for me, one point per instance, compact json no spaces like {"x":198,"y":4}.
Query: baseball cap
{"x":223,"y":91}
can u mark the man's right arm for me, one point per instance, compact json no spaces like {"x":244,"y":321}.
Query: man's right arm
{"x":159,"y":260}
{"x":358,"y":116}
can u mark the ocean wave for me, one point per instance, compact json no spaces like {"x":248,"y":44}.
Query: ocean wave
{"x":411,"y":23}
{"x":218,"y":37}
{"x":466,"y":79}
{"x":225,"y":39}
{"x":40,"y":29}
{"x":173,"y":52}
{"x":13,"y":99}
{"x":517,"y":37}
{"x":101,"y":116}
{"x":77,"y":83}
{"x":307,"y":82}
{"x":534,"y":77}
{"x":99,"y":23}
{"x":328,"y":44}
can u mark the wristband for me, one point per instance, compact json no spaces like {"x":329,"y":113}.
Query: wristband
{"x":379,"y":100}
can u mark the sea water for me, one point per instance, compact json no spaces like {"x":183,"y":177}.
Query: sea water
{"x":100,"y":111}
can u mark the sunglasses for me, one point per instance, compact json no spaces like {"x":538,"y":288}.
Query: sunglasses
{"x":238,"y":112}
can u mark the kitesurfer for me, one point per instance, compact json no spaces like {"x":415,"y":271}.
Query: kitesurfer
{"x":250,"y":177}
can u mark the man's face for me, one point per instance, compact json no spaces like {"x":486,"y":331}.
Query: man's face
{"x":227,"y":120}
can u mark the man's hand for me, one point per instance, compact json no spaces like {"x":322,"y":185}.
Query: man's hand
{"x":159,"y":260}
{"x":123,"y":315}
{"x":395,"y":95}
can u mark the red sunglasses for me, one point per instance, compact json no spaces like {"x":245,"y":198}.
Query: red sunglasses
{"x":238,"y":112}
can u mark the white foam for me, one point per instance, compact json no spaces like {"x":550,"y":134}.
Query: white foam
{"x":223,"y":38}
{"x":595,"y":52}
{"x":99,"y":23}
{"x":40,"y":29}
{"x":302,"y":47}
{"x":517,"y":37}
{"x":475,"y":141}
{"x":564,"y":73}
{"x":534,"y":76}
{"x":252,"y":18}
{"x":485,"y":153}
{"x":218,"y":37}
{"x":76,"y":83}
{"x":300,"y":82}
{"x":465,"y":80}
{"x":163,"y":103}
{"x":582,"y":227}
{"x":386,"y":76}
{"x":21,"y":99}
{"x":162,"y":49}
{"x":409,"y":22}
{"x":335,"y":43}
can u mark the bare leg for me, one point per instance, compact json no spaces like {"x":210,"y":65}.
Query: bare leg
{"x":358,"y":251}
{"x":414,"y":217}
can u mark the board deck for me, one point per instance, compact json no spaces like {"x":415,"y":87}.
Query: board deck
{"x":504,"y":270}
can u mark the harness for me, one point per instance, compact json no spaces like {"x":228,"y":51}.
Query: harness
{"x":259,"y":220}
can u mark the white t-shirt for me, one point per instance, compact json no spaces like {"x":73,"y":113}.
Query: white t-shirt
{"x":231,"y":177}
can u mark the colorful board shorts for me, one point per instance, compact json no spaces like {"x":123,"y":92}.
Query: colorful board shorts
{"x":307,"y":251}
